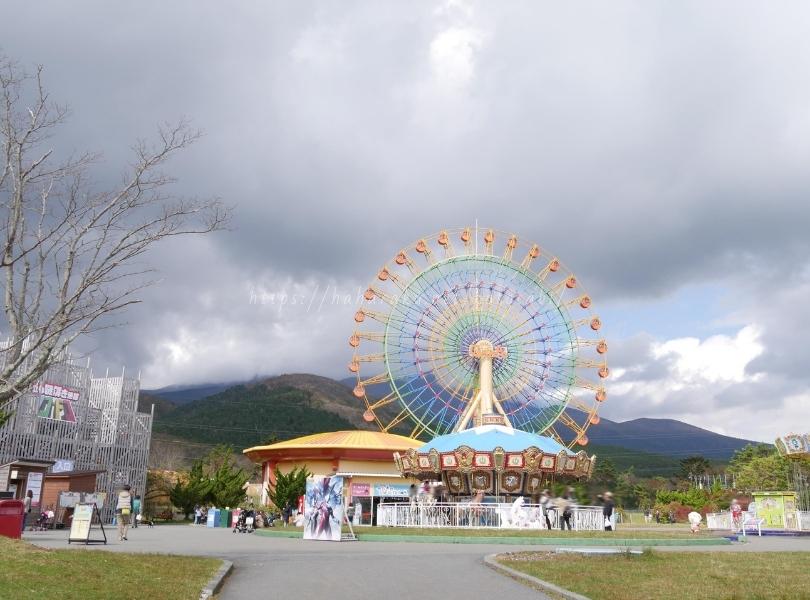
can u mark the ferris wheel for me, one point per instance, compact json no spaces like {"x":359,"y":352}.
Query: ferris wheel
{"x":441,"y":302}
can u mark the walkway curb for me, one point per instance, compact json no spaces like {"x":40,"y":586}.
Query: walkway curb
{"x":491,"y":561}
{"x":517,"y":540}
{"x":215,"y":583}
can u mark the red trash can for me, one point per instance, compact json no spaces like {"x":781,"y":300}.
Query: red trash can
{"x":11,"y":518}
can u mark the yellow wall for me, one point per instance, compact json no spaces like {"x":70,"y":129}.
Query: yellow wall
{"x":316,"y":467}
{"x":368,"y":466}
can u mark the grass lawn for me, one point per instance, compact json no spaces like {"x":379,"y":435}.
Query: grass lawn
{"x":366,"y":531}
{"x":675,"y":575}
{"x":31,"y":572}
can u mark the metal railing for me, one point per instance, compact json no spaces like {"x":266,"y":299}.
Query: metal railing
{"x":797,"y":521}
{"x":486,"y":515}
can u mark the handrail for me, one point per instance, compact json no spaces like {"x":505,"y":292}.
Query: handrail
{"x":486,"y":515}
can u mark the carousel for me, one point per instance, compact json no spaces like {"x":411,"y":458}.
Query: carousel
{"x":487,"y":346}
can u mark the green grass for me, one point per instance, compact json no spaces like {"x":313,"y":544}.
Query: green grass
{"x":32,"y":572}
{"x":672,"y":575}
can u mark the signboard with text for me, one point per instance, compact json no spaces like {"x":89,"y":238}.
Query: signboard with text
{"x":82,"y":524}
{"x":34,"y":484}
{"x":391,"y":490}
{"x":55,"y":401}
{"x":360,"y":489}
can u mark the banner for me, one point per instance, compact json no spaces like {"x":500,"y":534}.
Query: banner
{"x":56,"y":402}
{"x":323,"y":508}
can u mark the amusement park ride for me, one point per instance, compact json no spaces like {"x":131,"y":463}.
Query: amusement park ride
{"x":488,"y":345}
{"x":796,"y":448}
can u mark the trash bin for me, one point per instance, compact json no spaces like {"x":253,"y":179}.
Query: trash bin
{"x":11,"y":518}
{"x":225,"y":518}
{"x":235,"y":516}
{"x":213,"y":517}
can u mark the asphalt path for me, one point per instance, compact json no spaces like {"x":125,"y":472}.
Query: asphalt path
{"x":293,"y":568}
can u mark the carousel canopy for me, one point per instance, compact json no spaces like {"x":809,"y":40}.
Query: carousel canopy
{"x":486,"y":438}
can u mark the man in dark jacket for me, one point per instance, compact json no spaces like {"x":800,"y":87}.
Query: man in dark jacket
{"x":607,"y":511}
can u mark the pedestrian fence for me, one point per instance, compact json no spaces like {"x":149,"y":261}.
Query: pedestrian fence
{"x":798,"y":520}
{"x":485,"y":515}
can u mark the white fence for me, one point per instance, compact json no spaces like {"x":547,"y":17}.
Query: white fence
{"x":488,"y":515}
{"x":798,"y":521}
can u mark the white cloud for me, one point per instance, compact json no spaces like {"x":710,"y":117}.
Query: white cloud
{"x":717,"y":359}
{"x":706,"y":382}
{"x":453,"y":55}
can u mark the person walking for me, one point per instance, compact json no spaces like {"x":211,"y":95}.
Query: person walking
{"x":607,"y":510}
{"x":286,"y":513}
{"x":29,"y":498}
{"x":545,"y":505}
{"x":568,"y":509}
{"x":136,"y":510}
{"x":123,"y":510}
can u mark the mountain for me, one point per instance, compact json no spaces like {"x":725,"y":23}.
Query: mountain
{"x":162,"y":406}
{"x":287,"y":406}
{"x":179,"y":395}
{"x":666,"y":437}
{"x":644,"y":464}
{"x":661,"y":437}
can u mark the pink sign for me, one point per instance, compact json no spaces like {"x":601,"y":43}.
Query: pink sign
{"x":361,"y":489}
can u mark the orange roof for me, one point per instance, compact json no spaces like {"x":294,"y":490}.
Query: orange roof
{"x":354,"y":440}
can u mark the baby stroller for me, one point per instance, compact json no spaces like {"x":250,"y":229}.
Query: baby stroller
{"x":45,"y":521}
{"x":244,"y":524}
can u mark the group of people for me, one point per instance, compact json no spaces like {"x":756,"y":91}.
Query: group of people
{"x":563,"y":506}
{"x":127,"y":511}
{"x":200,"y":514}
{"x":649,"y":515}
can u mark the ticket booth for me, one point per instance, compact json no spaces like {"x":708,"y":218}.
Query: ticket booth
{"x":19,"y":477}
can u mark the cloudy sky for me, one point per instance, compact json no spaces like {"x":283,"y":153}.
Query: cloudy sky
{"x":662,"y":149}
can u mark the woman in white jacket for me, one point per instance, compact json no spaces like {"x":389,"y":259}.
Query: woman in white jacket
{"x":123,"y":510}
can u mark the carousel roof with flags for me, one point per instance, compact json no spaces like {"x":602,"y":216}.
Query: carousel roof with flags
{"x":486,"y":438}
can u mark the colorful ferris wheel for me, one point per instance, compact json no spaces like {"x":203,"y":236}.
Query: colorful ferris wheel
{"x":466,"y":310}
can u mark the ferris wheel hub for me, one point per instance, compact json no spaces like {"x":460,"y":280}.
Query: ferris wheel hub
{"x":486,"y":349}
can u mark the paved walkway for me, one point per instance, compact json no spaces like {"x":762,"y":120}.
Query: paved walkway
{"x":293,"y":568}
{"x":392,"y":570}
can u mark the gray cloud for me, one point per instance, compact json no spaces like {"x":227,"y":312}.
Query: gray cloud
{"x":650,"y":146}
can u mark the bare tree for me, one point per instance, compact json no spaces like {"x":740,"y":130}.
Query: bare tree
{"x":72,"y":255}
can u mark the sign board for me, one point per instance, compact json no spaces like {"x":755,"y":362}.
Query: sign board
{"x":360,"y":489}
{"x":97,"y":498}
{"x":55,"y":401}
{"x":82,"y":524}
{"x":5,"y":473}
{"x":775,"y":507}
{"x":323,"y":508}
{"x":34,"y":484}
{"x":69,"y":499}
{"x":63,"y":465}
{"x":391,"y":490}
